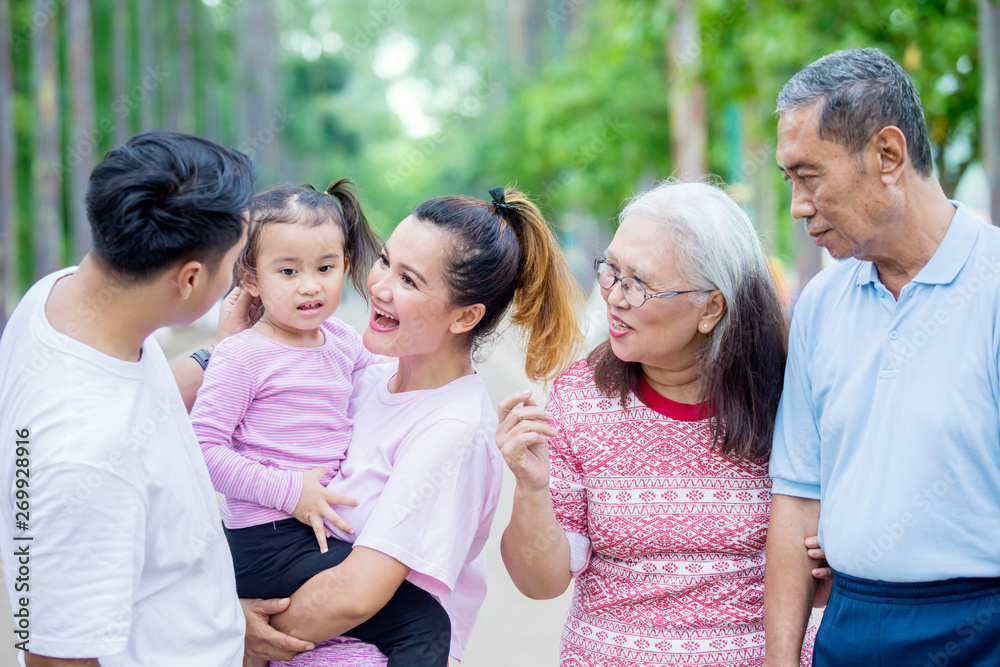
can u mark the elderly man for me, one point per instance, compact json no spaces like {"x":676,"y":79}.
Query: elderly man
{"x":888,"y":431}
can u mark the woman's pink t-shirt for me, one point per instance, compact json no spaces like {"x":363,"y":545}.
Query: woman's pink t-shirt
{"x":426,"y":471}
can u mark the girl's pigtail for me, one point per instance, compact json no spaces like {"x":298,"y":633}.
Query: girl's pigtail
{"x":361,"y":244}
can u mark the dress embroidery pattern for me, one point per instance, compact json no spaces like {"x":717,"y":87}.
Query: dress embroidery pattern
{"x":676,"y":573}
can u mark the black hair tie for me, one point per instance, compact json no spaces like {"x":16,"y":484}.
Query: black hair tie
{"x":500,"y":202}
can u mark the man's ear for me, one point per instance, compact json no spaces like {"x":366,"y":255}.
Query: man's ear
{"x":188,"y":277}
{"x":891,"y":149}
{"x":468,"y":318}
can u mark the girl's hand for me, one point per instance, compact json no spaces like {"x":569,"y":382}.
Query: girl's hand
{"x":823,"y":574}
{"x":523,"y":438}
{"x":314,"y":506}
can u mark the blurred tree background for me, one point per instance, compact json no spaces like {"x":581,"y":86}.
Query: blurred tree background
{"x":579,"y":102}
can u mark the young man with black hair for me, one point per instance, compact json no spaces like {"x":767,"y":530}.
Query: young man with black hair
{"x":112,"y":547}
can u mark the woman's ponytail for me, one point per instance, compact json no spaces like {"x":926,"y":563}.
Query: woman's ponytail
{"x":505,"y":253}
{"x":548,"y":297}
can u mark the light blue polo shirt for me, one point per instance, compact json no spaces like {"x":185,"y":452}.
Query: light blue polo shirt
{"x":890,"y":413}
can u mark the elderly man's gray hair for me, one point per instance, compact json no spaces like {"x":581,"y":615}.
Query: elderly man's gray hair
{"x":860,"y":92}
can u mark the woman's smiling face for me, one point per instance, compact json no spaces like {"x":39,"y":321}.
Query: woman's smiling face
{"x":412,"y":311}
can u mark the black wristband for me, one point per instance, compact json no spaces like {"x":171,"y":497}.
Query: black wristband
{"x":202,"y":356}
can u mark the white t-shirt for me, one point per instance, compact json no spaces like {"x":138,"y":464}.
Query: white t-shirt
{"x":126,"y":559}
{"x":426,"y":471}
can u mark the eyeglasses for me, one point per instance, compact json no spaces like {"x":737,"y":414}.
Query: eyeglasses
{"x":634,"y":291}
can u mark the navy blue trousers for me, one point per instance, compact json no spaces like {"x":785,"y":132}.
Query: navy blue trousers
{"x":273,"y":560}
{"x":950,"y":623}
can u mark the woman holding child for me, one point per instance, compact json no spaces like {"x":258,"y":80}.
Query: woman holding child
{"x":440,"y":285}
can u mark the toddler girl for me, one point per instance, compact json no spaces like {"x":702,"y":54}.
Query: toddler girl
{"x":271,"y":414}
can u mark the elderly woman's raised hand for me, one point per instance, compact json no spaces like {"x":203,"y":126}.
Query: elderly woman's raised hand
{"x":523,"y":438}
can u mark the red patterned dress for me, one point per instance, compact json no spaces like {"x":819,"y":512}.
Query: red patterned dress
{"x":675,"y":572}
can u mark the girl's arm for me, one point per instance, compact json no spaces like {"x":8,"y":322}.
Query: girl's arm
{"x":342,"y":597}
{"x":534,"y":545}
{"x":228,"y":389}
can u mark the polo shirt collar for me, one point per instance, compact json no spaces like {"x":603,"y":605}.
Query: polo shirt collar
{"x":867,"y":274}
{"x":947,"y":260}
{"x":955,"y":248}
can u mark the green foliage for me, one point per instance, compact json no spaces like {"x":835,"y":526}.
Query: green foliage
{"x":614,"y":71}
{"x":580,"y":119}
{"x":583,"y":131}
{"x":757,"y":47}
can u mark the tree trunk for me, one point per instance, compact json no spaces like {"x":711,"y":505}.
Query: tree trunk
{"x":122,"y":107}
{"x":756,"y":168}
{"x":84,"y":131}
{"x":270,"y":131}
{"x":8,"y":227}
{"x":688,"y":125}
{"x":808,"y":258}
{"x":207,"y":98}
{"x":241,"y":74}
{"x":149,"y":108}
{"x":989,"y":113}
{"x":184,"y":105}
{"x":45,"y":166}
{"x":524,"y":18}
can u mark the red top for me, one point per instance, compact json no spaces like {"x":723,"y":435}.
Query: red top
{"x":677,"y":531}
{"x":682,"y":412}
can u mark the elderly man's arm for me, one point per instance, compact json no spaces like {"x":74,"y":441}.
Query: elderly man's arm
{"x":789,"y":585}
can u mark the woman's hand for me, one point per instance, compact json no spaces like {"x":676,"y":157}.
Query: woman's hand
{"x":314,"y":506}
{"x":823,"y":574}
{"x":523,"y":438}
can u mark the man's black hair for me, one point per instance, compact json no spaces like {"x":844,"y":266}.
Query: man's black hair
{"x":166,"y":197}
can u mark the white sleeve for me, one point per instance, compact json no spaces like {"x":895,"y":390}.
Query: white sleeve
{"x":579,"y":552}
{"x":432,"y":507}
{"x":87,"y":551}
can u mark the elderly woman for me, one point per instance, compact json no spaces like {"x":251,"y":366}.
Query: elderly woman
{"x":645,"y":477}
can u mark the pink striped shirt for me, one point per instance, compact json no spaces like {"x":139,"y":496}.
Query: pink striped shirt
{"x":267,"y":412}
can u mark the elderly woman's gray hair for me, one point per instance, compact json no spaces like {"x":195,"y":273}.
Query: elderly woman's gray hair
{"x":860,"y":92}
{"x":742,"y":362}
